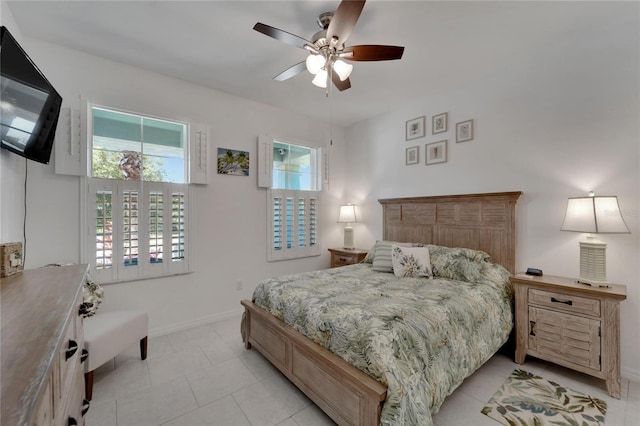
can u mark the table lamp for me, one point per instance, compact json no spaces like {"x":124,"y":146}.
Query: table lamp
{"x":348,"y":215}
{"x":594,"y":215}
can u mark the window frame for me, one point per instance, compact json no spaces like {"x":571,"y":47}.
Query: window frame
{"x":194,"y":136}
{"x":265,"y":180}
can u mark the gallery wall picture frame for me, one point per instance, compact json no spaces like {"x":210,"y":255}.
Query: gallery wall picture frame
{"x":415,"y":128}
{"x":412,"y":155}
{"x":435,"y":152}
{"x":233,"y":162}
{"x":439,"y":123}
{"x":464,"y":131}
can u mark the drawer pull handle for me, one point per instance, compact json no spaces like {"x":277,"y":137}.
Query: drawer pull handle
{"x":532,"y":328}
{"x":72,"y":422}
{"x":566,"y":302}
{"x":343,"y":259}
{"x":85,"y":406}
{"x":84,"y":356}
{"x":73,"y":347}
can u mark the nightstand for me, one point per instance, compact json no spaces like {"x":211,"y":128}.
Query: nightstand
{"x":570,"y":324}
{"x":342,"y":256}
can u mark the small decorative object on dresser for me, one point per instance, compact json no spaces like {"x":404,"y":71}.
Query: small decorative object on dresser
{"x":10,"y":259}
{"x":342,"y":257}
{"x":570,"y":324}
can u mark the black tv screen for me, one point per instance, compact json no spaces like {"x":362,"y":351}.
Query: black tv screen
{"x":30,"y":106}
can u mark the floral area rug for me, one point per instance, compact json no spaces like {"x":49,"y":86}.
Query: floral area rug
{"x":529,"y":400}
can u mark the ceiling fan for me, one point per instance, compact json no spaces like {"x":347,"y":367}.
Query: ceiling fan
{"x":327,"y":50}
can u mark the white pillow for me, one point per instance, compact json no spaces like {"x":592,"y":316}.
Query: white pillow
{"x":411,"y":262}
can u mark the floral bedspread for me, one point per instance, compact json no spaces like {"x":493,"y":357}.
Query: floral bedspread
{"x":420,"y":337}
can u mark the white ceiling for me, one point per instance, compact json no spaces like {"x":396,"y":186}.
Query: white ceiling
{"x":212,"y":43}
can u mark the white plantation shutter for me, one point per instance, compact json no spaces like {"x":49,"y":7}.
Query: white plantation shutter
{"x":293,"y":224}
{"x":140,"y":230}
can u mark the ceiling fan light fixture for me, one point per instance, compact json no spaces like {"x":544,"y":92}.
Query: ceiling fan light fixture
{"x":343,"y":69}
{"x":315,"y":63}
{"x":320,"y":79}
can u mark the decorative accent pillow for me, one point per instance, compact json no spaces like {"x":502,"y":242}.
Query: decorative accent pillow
{"x":371,"y":254}
{"x":382,"y":259}
{"x":411,"y":262}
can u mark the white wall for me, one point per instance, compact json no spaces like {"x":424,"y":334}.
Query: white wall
{"x":11,"y":168}
{"x":553,"y":123}
{"x":229,"y":238}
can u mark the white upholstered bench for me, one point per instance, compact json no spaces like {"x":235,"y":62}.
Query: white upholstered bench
{"x":106,"y":334}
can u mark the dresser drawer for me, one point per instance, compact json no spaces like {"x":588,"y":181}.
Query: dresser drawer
{"x":565,"y":302}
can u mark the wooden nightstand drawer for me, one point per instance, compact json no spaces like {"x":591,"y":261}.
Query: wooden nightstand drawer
{"x":343,"y":257}
{"x":573,"y":338}
{"x":565,"y":302}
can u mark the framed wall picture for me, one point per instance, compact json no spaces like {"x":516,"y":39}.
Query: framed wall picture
{"x":435,"y":152}
{"x":464,"y":131}
{"x":232,"y":162}
{"x":415,"y":128}
{"x":439,"y":123}
{"x":412,"y":155}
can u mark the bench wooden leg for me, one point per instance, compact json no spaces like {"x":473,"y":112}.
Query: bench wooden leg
{"x":88,"y":385}
{"x":143,"y":348}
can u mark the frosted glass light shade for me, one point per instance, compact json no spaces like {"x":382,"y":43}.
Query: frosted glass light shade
{"x":320,"y":79}
{"x":315,"y":63}
{"x":343,"y":69}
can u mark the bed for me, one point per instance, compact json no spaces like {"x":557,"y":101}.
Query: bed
{"x":342,"y":349}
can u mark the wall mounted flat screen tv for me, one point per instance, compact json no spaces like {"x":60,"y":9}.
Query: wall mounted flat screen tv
{"x":30,"y":106}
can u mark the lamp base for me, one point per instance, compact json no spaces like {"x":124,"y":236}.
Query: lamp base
{"x":348,"y":237}
{"x":593,"y":264}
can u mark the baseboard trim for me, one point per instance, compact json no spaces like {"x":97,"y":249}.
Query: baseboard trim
{"x":161,"y":331}
{"x":628,"y":373}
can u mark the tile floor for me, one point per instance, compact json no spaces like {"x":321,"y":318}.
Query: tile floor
{"x":204,"y":376}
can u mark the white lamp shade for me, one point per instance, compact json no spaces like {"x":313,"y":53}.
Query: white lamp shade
{"x":594,"y":215}
{"x":347,"y":214}
{"x":315,"y":63}
{"x":320,"y":79}
{"x":343,"y":69}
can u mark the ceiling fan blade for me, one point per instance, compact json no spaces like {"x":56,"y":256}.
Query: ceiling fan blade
{"x":281,"y":35}
{"x":340,"y":85}
{"x":291,"y":71}
{"x":372,"y":52}
{"x":344,"y":19}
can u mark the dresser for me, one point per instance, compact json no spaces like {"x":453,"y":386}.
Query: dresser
{"x":342,"y":256}
{"x":570,"y":324}
{"x":42,"y":376}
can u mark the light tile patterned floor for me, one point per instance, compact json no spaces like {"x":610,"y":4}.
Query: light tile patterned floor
{"x":204,"y":376}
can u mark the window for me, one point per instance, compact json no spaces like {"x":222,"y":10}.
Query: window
{"x":137,"y":196}
{"x":291,"y":174}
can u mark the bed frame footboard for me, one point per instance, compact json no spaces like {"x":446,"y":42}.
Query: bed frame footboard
{"x":344,"y":393}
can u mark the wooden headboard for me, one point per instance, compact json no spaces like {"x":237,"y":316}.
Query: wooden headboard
{"x":484,"y":222}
